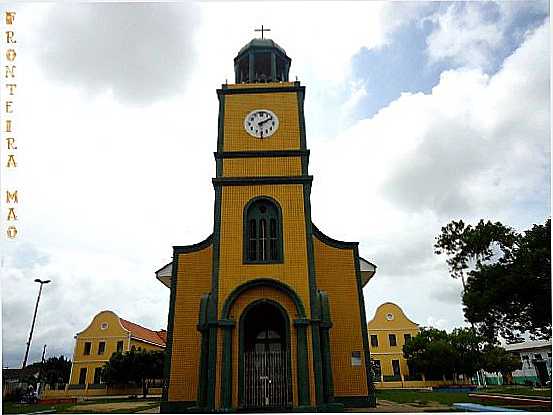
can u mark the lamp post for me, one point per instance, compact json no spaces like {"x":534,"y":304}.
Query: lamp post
{"x":34,"y":319}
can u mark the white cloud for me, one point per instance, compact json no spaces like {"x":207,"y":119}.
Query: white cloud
{"x":463,"y":36}
{"x":140,"y":51}
{"x":475,"y":147}
{"x":108,"y":188}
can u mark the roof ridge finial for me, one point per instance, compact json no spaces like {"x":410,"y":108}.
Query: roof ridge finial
{"x":262,"y":30}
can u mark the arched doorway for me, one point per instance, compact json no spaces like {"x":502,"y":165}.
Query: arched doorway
{"x":265,"y":356}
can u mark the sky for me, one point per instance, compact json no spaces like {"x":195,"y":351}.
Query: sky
{"x":417,"y":113}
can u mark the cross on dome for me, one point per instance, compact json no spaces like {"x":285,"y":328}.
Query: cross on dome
{"x":262,"y":30}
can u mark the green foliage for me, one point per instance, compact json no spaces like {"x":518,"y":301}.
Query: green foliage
{"x":435,"y":353}
{"x":496,"y":359}
{"x":508,"y":288}
{"x":430,"y":353}
{"x":467,"y":345}
{"x":56,"y":370}
{"x":136,"y":367}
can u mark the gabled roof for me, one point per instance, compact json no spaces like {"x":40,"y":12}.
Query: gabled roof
{"x":530,"y":344}
{"x":142,"y":333}
{"x":16,"y":374}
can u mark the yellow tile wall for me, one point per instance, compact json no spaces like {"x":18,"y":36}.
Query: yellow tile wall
{"x":293,"y":271}
{"x":262,"y":166}
{"x":193,"y":280}
{"x":285,"y":107}
{"x":335,"y":270}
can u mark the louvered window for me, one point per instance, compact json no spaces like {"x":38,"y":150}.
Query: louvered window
{"x":263,"y":239}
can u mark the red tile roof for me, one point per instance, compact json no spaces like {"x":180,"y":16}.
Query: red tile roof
{"x":163,"y":335}
{"x":142,"y":333}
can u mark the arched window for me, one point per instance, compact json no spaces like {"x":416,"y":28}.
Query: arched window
{"x":262,"y":232}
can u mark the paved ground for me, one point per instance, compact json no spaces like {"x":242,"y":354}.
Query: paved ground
{"x":393,"y":407}
{"x":382,"y":406}
{"x":109,"y":407}
{"x":154,"y":410}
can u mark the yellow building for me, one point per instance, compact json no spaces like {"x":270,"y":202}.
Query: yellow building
{"x":267,"y":312}
{"x":105,"y":335}
{"x":389,"y":330}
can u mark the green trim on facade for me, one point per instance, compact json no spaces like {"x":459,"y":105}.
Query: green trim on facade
{"x":303,"y":139}
{"x":371,"y":395}
{"x":252,"y":181}
{"x":170,"y":327}
{"x":260,"y":282}
{"x":325,"y":326}
{"x":302,"y":362}
{"x":220,"y":134}
{"x":335,"y":243}
{"x":185,"y":249}
{"x":354,"y":401}
{"x":178,"y":407}
{"x":245,"y":240}
{"x":313,"y":298}
{"x":255,"y":154}
{"x":204,"y":351}
{"x":241,"y":328}
{"x":221,"y":123}
{"x":260,"y":90}
{"x":213,"y":304}
{"x":226,"y":378}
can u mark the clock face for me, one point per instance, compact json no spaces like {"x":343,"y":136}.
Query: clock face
{"x":261,"y":123}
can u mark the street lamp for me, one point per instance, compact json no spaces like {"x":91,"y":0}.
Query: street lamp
{"x":34,"y":318}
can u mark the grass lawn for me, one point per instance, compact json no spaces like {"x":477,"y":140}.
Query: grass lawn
{"x":84,"y":406}
{"x":424,"y":398}
{"x":517,"y":390}
{"x":24,"y":408}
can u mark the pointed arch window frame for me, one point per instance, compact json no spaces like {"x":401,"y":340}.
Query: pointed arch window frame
{"x":246,"y":233}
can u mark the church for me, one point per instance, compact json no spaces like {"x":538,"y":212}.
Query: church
{"x":266,"y":313}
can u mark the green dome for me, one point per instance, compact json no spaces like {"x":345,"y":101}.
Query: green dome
{"x":263,"y":44}
{"x":261,"y":60}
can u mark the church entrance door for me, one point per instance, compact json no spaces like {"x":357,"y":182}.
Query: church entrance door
{"x":266,"y":360}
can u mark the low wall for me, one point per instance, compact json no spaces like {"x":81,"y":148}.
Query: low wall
{"x":415,"y":384}
{"x":91,"y":390}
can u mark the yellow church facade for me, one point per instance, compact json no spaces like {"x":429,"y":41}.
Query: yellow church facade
{"x":106,"y":334}
{"x":389,"y":330}
{"x":267,"y":312}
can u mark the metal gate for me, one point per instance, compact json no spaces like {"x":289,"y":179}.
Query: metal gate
{"x":266,"y":380}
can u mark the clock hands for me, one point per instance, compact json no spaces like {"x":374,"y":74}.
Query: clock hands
{"x":264,"y":121}
{"x":261,"y":123}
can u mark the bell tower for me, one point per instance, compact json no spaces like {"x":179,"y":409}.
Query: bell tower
{"x":262,"y":235}
{"x":281,"y":318}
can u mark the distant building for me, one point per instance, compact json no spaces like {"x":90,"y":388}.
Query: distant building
{"x":107,"y":334}
{"x":536,"y":361}
{"x":13,"y":379}
{"x":389,"y":330}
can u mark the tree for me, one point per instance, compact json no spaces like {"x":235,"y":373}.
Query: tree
{"x":467,"y":345}
{"x":508,"y":287}
{"x":134,"y":367}
{"x":430,"y":353}
{"x":56,"y":370}
{"x":496,"y":359}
